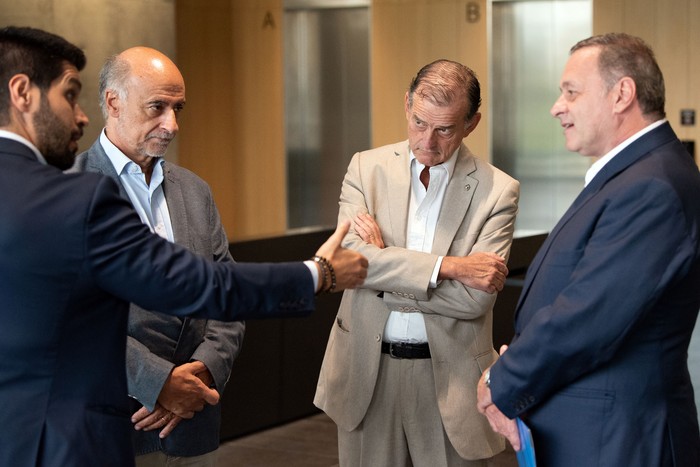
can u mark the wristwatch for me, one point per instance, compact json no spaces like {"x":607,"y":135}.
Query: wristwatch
{"x":487,"y":377}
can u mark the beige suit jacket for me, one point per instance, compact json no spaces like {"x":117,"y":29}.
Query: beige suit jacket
{"x":478,"y":214}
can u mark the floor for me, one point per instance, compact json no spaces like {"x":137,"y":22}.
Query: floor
{"x":310,"y":442}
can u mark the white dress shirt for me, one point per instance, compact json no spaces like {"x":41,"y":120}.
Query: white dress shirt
{"x":423,"y":211}
{"x":598,"y":165}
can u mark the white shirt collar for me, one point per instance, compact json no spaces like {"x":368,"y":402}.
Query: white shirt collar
{"x":118,"y":159}
{"x":25,"y":141}
{"x":448,"y":165}
{"x":598,"y":165}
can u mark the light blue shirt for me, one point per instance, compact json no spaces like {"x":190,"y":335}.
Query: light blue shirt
{"x":148,"y":199}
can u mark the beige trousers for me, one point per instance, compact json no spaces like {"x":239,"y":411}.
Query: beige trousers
{"x":402,"y":426}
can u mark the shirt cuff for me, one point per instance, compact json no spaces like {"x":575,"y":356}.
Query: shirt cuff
{"x":436,"y":271}
{"x":314,"y":272}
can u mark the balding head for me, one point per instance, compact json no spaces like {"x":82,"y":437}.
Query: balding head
{"x":141,"y":93}
{"x":132,"y":67}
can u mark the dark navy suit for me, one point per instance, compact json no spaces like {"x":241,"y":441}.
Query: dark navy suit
{"x":73,"y":254}
{"x":598,"y":364}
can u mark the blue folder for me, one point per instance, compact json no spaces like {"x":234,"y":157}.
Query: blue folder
{"x":526,"y":455}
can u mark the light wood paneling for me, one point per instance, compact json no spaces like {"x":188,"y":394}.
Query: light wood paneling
{"x":232,"y":133}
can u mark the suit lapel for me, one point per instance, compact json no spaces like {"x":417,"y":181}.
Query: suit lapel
{"x":617,"y":164}
{"x":458,"y":198}
{"x":399,"y":187}
{"x":172,"y":188}
{"x":97,"y":161}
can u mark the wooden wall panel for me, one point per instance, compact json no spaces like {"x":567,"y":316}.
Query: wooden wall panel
{"x":257,"y":137}
{"x":232,"y":132}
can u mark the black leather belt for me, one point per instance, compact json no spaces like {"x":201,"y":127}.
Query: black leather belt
{"x":405,"y":350}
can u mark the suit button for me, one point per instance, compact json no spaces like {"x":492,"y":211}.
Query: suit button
{"x":377,"y":338}
{"x":411,"y":296}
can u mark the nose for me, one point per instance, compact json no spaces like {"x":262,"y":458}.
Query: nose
{"x":557,"y":107}
{"x":169,"y":121}
{"x":430,"y":139}
{"x":81,"y":119}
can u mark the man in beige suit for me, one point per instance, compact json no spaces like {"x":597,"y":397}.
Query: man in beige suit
{"x":408,"y":348}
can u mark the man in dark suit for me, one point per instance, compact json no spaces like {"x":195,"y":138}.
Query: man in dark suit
{"x":598,"y":365}
{"x":171,"y":363}
{"x":74,"y":254}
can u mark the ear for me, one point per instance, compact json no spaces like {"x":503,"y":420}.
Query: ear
{"x":471,"y":125}
{"x":23,"y":93}
{"x":113,"y":103}
{"x":625,"y":93}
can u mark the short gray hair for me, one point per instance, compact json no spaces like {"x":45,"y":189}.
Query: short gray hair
{"x":113,"y":76}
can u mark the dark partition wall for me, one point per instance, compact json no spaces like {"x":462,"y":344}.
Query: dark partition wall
{"x":274,"y":378}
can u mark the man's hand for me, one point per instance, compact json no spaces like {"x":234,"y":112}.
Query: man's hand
{"x":482,"y":271}
{"x":185,"y":392}
{"x":368,"y":229}
{"x":350,"y":266}
{"x":145,"y":420}
{"x":498,"y":421}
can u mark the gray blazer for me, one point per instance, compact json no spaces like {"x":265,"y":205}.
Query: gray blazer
{"x":157,"y":342}
{"x":478,"y":214}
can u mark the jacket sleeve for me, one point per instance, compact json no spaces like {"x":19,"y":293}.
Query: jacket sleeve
{"x":128,"y":261}
{"x":146,"y":373}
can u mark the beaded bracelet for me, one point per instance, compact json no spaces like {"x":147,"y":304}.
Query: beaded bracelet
{"x":328,"y":281}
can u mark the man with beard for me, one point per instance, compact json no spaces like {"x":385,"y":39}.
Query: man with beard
{"x":171,"y":363}
{"x":74,"y":254}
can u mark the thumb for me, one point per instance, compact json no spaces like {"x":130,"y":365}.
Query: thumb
{"x":211,"y":396}
{"x":333,"y":242}
{"x":194,"y":367}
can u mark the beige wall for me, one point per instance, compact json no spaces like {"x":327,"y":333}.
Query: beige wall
{"x":232,"y":132}
{"x":672,"y":28}
{"x":101,"y":28}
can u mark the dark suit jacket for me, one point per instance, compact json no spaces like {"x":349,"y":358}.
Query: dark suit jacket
{"x":598,"y":365}
{"x":156,"y":342}
{"x":73,"y":254}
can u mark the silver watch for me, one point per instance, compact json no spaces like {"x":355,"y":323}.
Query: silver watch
{"x":487,"y":377}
